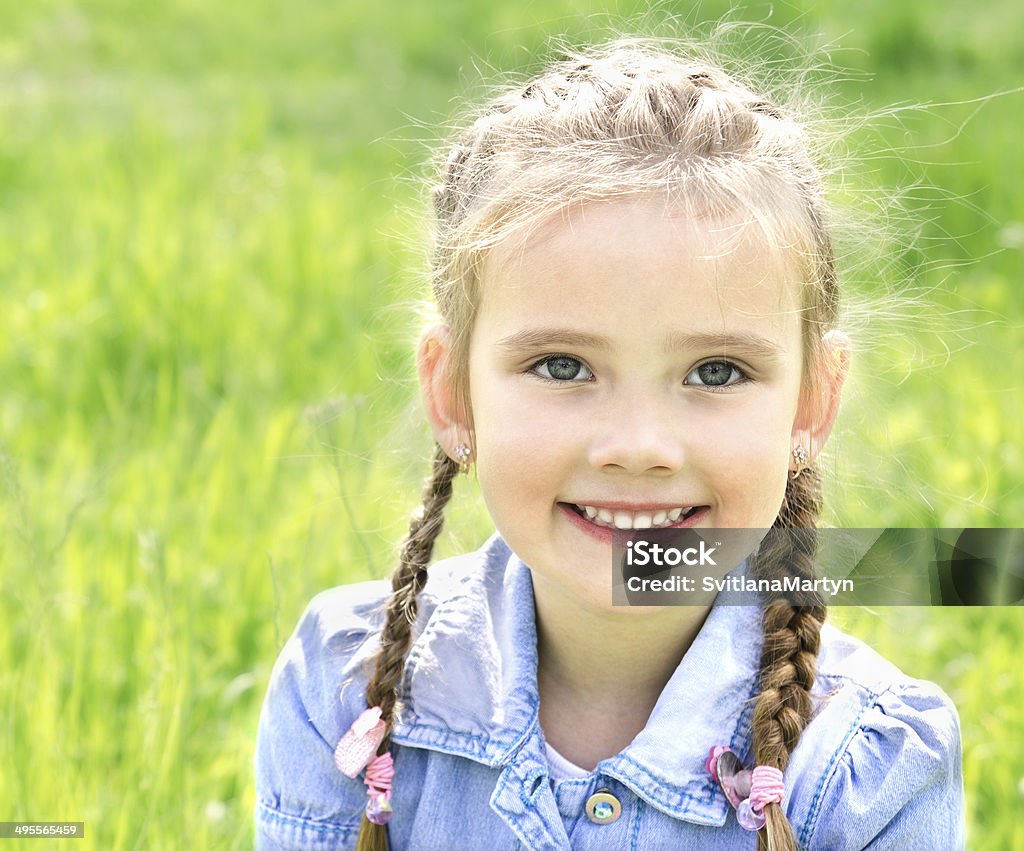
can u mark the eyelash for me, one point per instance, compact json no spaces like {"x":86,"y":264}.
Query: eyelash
{"x":714,"y":388}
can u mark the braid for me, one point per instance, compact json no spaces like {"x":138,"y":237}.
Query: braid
{"x":791,"y":639}
{"x":396,"y":637}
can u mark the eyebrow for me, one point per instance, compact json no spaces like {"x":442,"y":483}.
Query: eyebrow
{"x":753,"y":345}
{"x":541,"y":338}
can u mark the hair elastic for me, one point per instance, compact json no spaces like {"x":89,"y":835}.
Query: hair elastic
{"x":379,"y":774}
{"x":358,"y":750}
{"x":748,"y":791}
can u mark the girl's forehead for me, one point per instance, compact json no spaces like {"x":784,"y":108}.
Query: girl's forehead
{"x":642,"y":251}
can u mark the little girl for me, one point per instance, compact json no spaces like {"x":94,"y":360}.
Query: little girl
{"x":638,"y":296}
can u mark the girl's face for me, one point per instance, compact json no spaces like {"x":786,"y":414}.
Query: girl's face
{"x":631,"y":369}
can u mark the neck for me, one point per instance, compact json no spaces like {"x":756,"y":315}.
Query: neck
{"x":600,"y":672}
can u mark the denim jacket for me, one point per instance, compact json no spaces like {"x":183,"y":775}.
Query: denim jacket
{"x":879,"y":765}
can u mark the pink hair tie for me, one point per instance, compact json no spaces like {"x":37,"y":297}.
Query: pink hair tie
{"x":358,"y":750}
{"x":748,"y":791}
{"x":766,"y":787}
{"x":379,"y":775}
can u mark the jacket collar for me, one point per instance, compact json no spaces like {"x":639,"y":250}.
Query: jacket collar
{"x":471,"y":686}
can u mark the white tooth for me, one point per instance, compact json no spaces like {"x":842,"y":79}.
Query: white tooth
{"x":604,"y":515}
{"x":591,"y":511}
{"x":659,"y":517}
{"x":641,"y":520}
{"x":673,"y":515}
{"x":623,"y":520}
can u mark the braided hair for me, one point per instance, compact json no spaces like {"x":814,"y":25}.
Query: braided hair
{"x":628,"y":119}
{"x":789,"y":652}
{"x":397,"y":635}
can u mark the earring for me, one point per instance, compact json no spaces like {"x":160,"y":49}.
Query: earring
{"x":462,"y":456}
{"x":800,"y":459}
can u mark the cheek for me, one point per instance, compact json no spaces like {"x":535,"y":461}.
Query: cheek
{"x":521,"y":447}
{"x":504,"y":426}
{"x":753,"y":468}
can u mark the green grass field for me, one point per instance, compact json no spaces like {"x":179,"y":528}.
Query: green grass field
{"x":210,"y":258}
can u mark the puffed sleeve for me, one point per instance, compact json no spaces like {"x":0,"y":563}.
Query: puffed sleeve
{"x":898,"y":784}
{"x":315,"y":691}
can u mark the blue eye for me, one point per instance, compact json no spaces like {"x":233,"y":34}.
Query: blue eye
{"x":715,"y":373}
{"x":562,"y":368}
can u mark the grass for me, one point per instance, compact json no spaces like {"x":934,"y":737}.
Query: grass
{"x":207,"y":414}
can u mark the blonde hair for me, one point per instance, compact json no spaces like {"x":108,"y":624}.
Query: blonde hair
{"x":626,"y":119}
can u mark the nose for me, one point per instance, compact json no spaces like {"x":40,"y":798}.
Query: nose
{"x":638,"y":436}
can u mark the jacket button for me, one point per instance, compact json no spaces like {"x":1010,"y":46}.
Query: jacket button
{"x":603,"y":807}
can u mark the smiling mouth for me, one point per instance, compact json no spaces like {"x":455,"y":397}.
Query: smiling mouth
{"x":618,"y":518}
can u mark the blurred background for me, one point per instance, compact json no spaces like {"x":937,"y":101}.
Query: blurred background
{"x":211,"y":256}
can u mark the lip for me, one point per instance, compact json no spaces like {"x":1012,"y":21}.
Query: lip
{"x":604,"y":534}
{"x":633,"y":506}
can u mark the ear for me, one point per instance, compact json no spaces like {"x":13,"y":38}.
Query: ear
{"x":819,"y":406}
{"x":448,"y":421}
